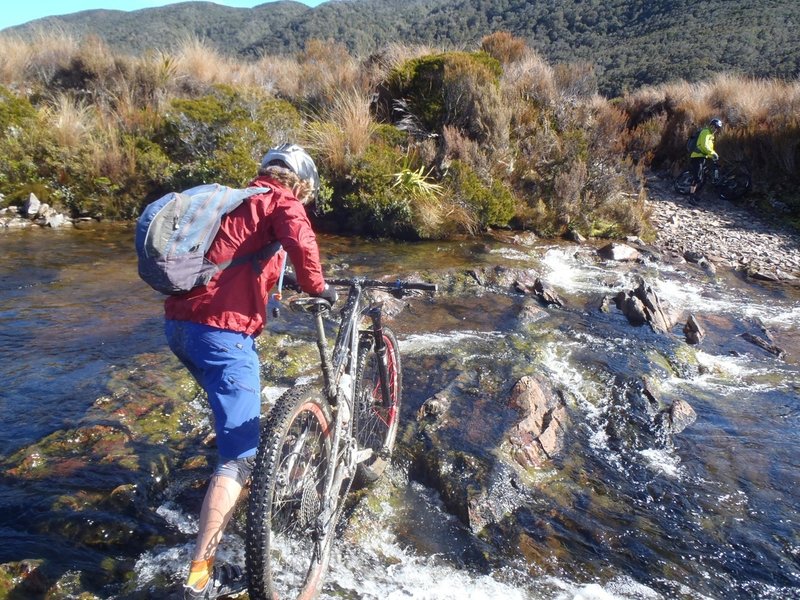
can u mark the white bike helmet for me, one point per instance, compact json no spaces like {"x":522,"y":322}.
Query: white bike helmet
{"x":297,"y":160}
{"x":716,"y":123}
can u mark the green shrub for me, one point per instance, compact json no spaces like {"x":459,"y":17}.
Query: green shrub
{"x":432,"y":89}
{"x":222,"y":136}
{"x":369,"y":203}
{"x":492,"y":205}
{"x":21,"y":148}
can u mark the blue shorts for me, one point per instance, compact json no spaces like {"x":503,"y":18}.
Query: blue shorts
{"x":226,"y":366}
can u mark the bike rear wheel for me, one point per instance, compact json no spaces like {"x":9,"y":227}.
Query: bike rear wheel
{"x":375,"y":418}
{"x":288,"y":543}
{"x":683,"y":183}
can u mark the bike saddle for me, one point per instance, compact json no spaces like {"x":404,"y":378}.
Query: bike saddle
{"x":309,"y":305}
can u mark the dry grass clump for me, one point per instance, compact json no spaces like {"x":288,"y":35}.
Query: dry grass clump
{"x":325,"y":67}
{"x":197,"y":62}
{"x":15,"y":57}
{"x":70,"y":121}
{"x":343,"y":132}
{"x":504,"y":47}
{"x":530,"y":80}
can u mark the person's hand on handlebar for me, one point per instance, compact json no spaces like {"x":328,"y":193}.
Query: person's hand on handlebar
{"x":328,"y":293}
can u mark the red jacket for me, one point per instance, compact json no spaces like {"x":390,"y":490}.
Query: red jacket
{"x":236,"y":298}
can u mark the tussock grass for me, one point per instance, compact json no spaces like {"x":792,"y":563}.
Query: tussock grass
{"x":499,"y":137}
{"x":70,"y":121}
{"x":343,"y":132}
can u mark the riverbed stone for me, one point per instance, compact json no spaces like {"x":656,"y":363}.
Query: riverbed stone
{"x":693,"y":331}
{"x":539,"y":435}
{"x":618,"y":252}
{"x":764,"y":249}
{"x":32,"y":206}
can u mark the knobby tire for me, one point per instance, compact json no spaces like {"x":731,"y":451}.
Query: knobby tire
{"x":375,"y":420}
{"x":283,"y":553}
{"x":733,"y":186}
{"x":683,"y":183}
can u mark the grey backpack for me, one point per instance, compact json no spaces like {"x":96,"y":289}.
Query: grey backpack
{"x":174,"y":233}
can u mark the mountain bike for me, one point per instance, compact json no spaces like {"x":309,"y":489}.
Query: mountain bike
{"x":732,"y":183}
{"x":317,"y":442}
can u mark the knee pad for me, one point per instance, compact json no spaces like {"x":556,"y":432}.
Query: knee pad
{"x":238,"y":469}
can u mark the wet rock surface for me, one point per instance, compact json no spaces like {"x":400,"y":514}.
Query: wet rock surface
{"x":33,"y":213}
{"x":718,"y":232}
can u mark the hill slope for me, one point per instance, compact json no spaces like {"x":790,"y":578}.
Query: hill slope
{"x":631,"y":42}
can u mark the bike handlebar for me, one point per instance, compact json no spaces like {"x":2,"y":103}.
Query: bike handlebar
{"x":385,"y":285}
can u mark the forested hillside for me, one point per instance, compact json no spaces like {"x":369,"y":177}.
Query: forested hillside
{"x":628,"y":42}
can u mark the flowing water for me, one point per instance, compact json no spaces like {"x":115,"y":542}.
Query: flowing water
{"x":711,"y":513}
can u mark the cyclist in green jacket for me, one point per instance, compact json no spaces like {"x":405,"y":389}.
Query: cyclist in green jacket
{"x":703,"y":151}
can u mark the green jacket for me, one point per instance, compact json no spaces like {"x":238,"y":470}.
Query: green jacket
{"x":705,"y":145}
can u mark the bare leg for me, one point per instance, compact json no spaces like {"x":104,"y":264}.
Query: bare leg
{"x":217,"y":509}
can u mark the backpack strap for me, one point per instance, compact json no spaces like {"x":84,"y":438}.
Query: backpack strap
{"x":265,"y":253}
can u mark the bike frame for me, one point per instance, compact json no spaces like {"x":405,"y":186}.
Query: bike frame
{"x":339,"y":375}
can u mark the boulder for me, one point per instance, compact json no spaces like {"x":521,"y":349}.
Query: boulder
{"x":546,"y":294}
{"x":764,"y":344}
{"x":693,"y":331}
{"x":618,"y":252}
{"x":32,"y":206}
{"x":539,"y":435}
{"x":538,"y":288}
{"x":642,"y":305}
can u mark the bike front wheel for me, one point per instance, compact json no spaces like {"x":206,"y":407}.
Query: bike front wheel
{"x":288,"y":538}
{"x":733,"y":186}
{"x":376,"y":416}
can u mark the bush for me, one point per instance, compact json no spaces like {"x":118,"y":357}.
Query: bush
{"x":22,"y":147}
{"x":504,"y":47}
{"x":368,"y":203}
{"x":491,"y":206}
{"x":432,"y":88}
{"x":222,"y":136}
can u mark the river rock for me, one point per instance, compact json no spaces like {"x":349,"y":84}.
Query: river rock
{"x":642,"y":305}
{"x":618,"y":252}
{"x":546,"y":294}
{"x":680,"y":415}
{"x":693,"y":331}
{"x":574,"y":236}
{"x":764,"y":344}
{"x":32,"y":206}
{"x":23,"y":579}
{"x":531,"y":312}
{"x":539,"y":435}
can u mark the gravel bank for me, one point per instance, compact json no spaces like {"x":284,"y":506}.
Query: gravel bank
{"x":726,"y":234}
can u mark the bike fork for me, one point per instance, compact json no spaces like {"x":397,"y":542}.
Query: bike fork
{"x":375,"y":313}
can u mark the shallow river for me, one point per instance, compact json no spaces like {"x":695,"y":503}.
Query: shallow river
{"x":715,"y":513}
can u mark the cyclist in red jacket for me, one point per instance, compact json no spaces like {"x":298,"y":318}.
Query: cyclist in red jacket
{"x":212,"y":330}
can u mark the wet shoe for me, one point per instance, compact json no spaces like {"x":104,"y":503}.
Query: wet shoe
{"x":226,"y":581}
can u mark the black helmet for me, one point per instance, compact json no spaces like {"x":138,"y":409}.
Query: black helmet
{"x":295,"y":159}
{"x":715,"y":123}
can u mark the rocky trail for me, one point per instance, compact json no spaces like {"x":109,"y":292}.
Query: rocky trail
{"x":723,"y":233}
